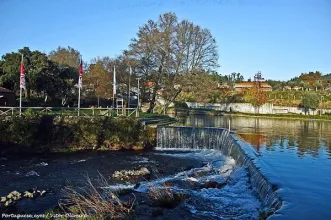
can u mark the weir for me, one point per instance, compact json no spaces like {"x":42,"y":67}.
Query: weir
{"x":222,"y":140}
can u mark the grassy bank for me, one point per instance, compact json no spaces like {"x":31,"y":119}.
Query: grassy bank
{"x":42,"y":134}
{"x":325,"y":117}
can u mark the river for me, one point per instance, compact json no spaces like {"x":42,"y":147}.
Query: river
{"x":293,"y":154}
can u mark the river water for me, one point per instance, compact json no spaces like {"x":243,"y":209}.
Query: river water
{"x":295,"y":155}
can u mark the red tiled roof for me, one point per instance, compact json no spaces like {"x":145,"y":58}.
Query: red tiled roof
{"x":4,"y":90}
{"x":150,"y":84}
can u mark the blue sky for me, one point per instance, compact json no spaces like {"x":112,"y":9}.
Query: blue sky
{"x":281,"y":38}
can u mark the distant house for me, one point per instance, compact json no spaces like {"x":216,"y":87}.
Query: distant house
{"x":239,"y":87}
{"x":296,"y":88}
{"x":287,"y":88}
{"x":150,"y":84}
{"x":7,"y":97}
{"x":223,"y":86}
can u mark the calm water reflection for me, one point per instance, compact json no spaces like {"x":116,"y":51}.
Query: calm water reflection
{"x":294,"y":154}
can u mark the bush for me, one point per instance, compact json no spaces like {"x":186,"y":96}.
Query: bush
{"x":95,"y":202}
{"x":310,"y":101}
{"x":164,"y":196}
{"x":50,"y":133}
{"x":180,"y":105}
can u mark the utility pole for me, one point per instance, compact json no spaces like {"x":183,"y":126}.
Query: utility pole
{"x":257,"y":80}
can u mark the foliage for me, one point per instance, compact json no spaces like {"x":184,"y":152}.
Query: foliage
{"x":164,"y":196}
{"x":99,"y":78}
{"x":44,"y":78}
{"x":65,"y":57}
{"x":182,"y":105}
{"x":310,"y":101}
{"x":168,"y":49}
{"x":38,"y":134}
{"x":200,"y":87}
{"x":95,"y":201}
{"x":256,"y":96}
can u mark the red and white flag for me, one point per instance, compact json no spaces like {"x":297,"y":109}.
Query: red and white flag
{"x":80,"y":80}
{"x":22,"y":75}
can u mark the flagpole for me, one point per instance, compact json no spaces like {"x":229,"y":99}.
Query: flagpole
{"x":79,"y":83}
{"x":21,"y":85}
{"x":129,"y":87}
{"x":20,"y":101}
{"x":78,"y":98}
{"x":114,"y":86}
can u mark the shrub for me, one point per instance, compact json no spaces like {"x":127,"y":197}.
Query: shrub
{"x":310,"y":101}
{"x":95,"y":201}
{"x":50,"y":133}
{"x":180,"y":105}
{"x":164,"y":196}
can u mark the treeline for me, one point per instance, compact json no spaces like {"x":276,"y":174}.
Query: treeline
{"x":175,"y":59}
{"x":307,"y":81}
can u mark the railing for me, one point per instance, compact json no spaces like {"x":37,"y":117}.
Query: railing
{"x":66,"y":111}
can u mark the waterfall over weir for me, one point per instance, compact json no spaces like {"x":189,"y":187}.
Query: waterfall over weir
{"x":219,"y":139}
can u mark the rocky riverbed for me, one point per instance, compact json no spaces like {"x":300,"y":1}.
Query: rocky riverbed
{"x":206,"y":185}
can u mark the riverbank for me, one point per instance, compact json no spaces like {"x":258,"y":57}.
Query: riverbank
{"x":282,"y":116}
{"x":45,"y":134}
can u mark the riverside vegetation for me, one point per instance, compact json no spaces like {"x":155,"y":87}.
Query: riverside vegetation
{"x":43,"y":134}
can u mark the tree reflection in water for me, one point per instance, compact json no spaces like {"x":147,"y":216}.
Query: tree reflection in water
{"x":305,"y":136}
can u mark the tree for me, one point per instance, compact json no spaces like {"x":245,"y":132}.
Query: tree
{"x":256,"y":96}
{"x":65,"y":57}
{"x":311,"y":78}
{"x":310,"y":101}
{"x":168,"y":49}
{"x":67,"y":60}
{"x":99,"y":78}
{"x":200,"y":87}
{"x":44,"y":78}
{"x":35,"y":63}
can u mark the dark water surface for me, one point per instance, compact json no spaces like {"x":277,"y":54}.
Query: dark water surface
{"x":293,"y":154}
{"x":55,"y":171}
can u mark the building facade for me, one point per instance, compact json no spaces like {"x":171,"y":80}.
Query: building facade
{"x":7,"y":97}
{"x":239,"y":87}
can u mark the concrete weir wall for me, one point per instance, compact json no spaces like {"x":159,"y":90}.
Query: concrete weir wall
{"x":267,"y":108}
{"x":222,"y":140}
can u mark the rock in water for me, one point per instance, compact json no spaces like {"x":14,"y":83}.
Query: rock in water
{"x":145,"y":171}
{"x":42,"y":164}
{"x":32,"y":173}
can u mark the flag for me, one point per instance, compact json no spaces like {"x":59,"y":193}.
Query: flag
{"x":80,"y":80}
{"x":22,"y":75}
{"x":114,"y":87}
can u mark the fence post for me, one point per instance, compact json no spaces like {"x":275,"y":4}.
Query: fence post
{"x":12,"y":111}
{"x":93,"y":111}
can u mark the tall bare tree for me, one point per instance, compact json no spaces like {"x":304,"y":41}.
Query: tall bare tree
{"x":167,"y":50}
